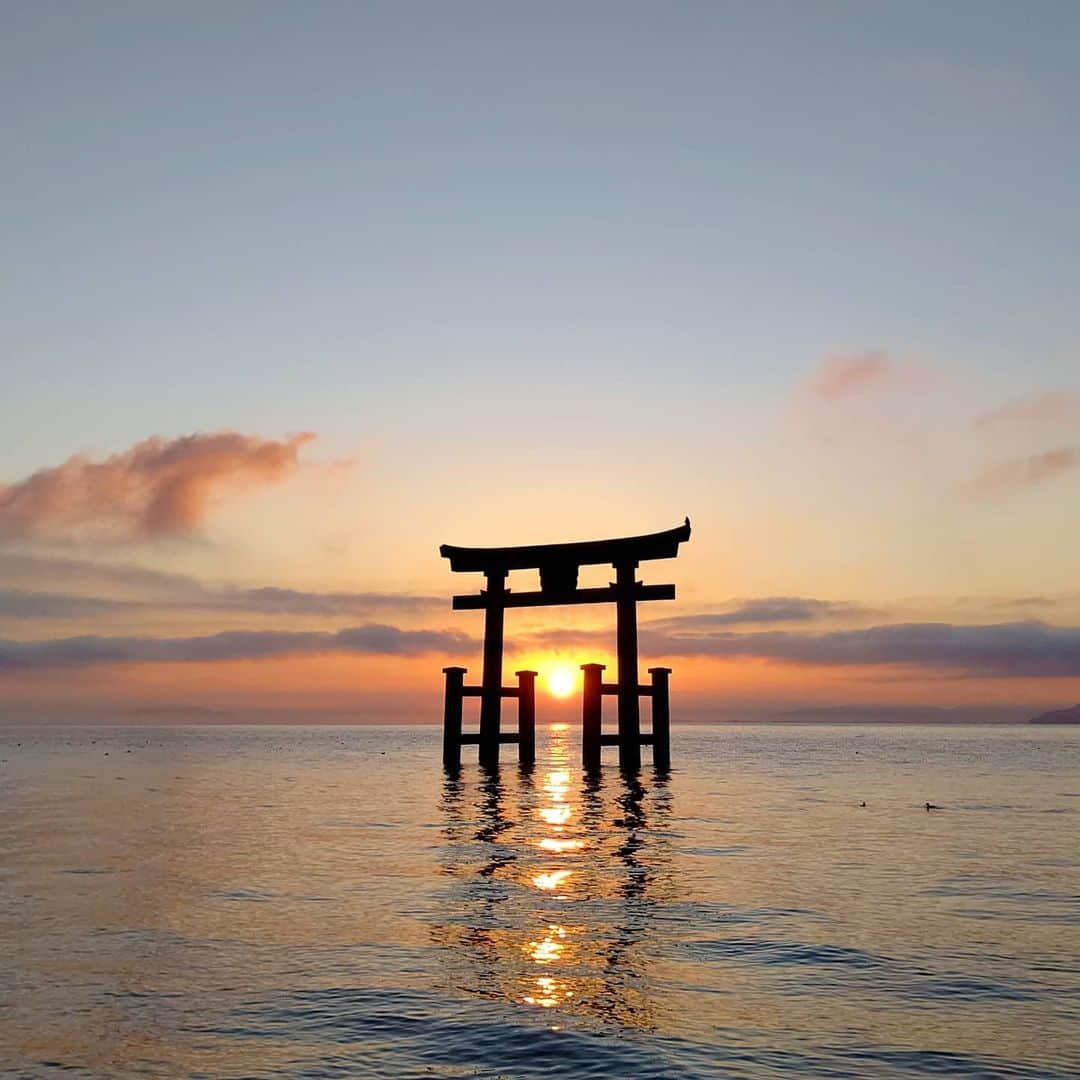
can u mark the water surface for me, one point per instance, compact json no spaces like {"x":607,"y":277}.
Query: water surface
{"x":260,"y":902}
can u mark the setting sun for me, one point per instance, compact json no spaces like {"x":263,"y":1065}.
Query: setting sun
{"x":561,"y":681}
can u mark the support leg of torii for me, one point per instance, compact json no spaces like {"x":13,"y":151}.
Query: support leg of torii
{"x":661,"y":719}
{"x":526,"y":717}
{"x":491,"y":682}
{"x":451,"y":752}
{"x":626,"y":647}
{"x":591,"y":716}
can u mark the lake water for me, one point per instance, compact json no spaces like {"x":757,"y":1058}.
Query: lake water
{"x":324,"y":902}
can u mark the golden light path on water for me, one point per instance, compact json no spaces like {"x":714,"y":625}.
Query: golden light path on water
{"x":558,"y":813}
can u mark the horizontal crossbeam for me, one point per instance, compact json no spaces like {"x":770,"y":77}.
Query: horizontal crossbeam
{"x":612,"y":688}
{"x":606,"y":594}
{"x":474,"y":740}
{"x":478,"y":691}
{"x":613,"y":740}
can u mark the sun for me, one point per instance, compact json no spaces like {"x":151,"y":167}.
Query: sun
{"x":561,"y":681}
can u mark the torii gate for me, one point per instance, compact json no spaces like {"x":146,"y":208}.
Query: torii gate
{"x":558,"y":565}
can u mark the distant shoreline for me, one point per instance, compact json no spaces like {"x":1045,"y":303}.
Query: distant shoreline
{"x":179,"y":721}
{"x":1059,"y":716}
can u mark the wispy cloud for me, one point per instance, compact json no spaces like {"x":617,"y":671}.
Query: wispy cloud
{"x":274,"y":601}
{"x":766,"y":609}
{"x":84,"y":575}
{"x":46,"y":587}
{"x":1014,"y":604}
{"x":25,"y":604}
{"x":1033,"y":413}
{"x":1014,"y":475}
{"x":159,"y":487}
{"x":375,"y":639}
{"x":1033,"y":649}
{"x":850,"y":374}
{"x":29,"y":604}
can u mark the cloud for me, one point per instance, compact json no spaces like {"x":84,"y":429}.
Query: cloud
{"x":159,"y":487}
{"x":846,"y":375}
{"x":998,"y":650}
{"x":1018,"y":474}
{"x":371,"y":640}
{"x":24,"y":604}
{"x":1035,"y":412}
{"x":766,"y":609}
{"x":274,"y":601}
{"x":1033,"y":649}
{"x":1013,"y":604}
{"x":83,"y":575}
{"x":69,"y":588}
{"x":27,"y":604}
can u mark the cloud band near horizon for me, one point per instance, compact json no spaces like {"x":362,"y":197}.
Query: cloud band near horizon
{"x":90,"y":650}
{"x":999,"y":650}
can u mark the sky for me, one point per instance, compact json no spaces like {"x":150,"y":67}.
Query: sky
{"x":294,"y":293}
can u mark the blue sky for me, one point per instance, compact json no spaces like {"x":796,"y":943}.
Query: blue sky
{"x":253,"y":202}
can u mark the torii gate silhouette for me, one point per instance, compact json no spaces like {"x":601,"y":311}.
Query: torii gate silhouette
{"x":558,"y":565}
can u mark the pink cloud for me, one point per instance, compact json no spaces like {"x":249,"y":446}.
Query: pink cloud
{"x":1036,"y":411}
{"x":159,"y":487}
{"x":1018,"y":474}
{"x":843,"y":376}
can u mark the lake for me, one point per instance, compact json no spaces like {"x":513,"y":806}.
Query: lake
{"x":325,"y":902}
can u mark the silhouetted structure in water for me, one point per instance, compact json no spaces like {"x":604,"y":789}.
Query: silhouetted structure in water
{"x":558,"y":565}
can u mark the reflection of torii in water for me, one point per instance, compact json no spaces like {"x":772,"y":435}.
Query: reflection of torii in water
{"x":558,"y":565}
{"x":575,"y":944}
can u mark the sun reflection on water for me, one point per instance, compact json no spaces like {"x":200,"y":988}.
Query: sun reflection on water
{"x":563,"y":841}
{"x":553,"y":843}
{"x":556,"y":783}
{"x":549,"y":992}
{"x":551,"y":879}
{"x":551,"y":947}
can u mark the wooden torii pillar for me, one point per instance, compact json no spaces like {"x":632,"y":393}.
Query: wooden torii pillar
{"x":558,"y":565}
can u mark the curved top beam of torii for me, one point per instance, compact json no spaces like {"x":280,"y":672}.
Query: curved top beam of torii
{"x":622,"y":549}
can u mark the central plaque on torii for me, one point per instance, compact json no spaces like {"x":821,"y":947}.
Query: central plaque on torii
{"x":558,"y":566}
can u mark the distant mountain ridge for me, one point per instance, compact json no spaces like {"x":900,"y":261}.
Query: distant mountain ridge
{"x":1059,"y":716}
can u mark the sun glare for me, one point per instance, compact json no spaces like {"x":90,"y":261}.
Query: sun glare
{"x":561,"y":681}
